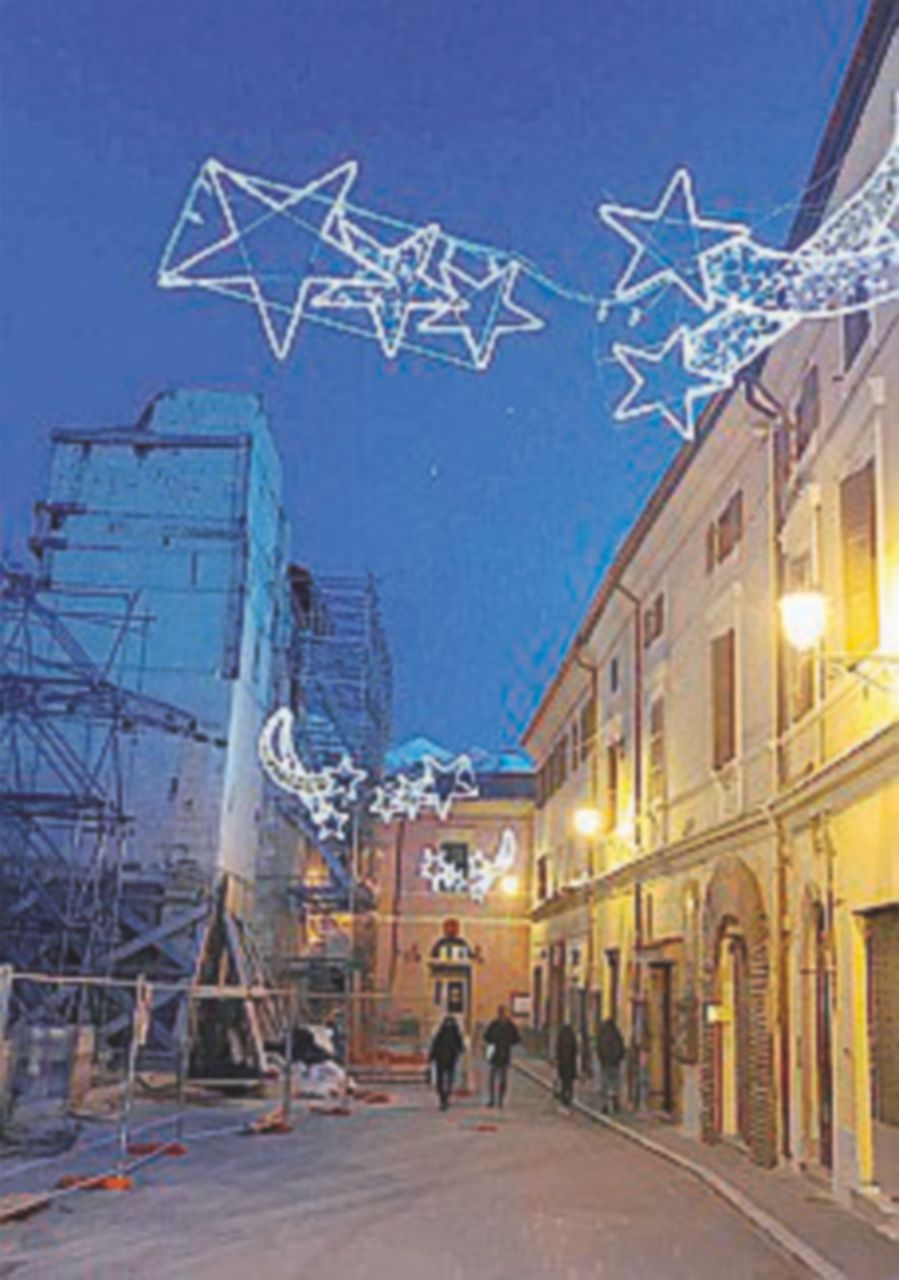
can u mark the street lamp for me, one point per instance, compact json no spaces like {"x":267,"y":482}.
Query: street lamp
{"x":803,"y":615}
{"x":587,"y":821}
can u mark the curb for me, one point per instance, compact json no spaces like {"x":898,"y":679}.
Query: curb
{"x":787,"y":1239}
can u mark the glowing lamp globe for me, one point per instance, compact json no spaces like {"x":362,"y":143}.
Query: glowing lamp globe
{"x":803,"y":615}
{"x":586,"y":821}
{"x":509,"y":885}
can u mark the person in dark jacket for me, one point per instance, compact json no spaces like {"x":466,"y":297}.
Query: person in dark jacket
{"x":566,"y":1062}
{"x":500,"y":1038}
{"x":447,"y":1047}
{"x":610,"y":1051}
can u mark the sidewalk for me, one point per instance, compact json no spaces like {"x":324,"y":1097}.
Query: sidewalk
{"x":806,"y":1220}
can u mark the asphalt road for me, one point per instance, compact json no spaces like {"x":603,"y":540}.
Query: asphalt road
{"x":403,"y":1192}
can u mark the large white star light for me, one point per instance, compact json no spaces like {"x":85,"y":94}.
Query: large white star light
{"x":671,"y":243}
{"x":481,"y":310}
{"x":401,"y":283}
{"x":256,"y":241}
{"x":323,"y":793}
{"x":346,"y":778}
{"x":664,"y":383}
{"x":444,"y":783}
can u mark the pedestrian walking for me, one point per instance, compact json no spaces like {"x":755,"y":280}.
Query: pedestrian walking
{"x":610,"y":1051}
{"x":500,"y":1038}
{"x":566,"y":1062}
{"x":447,"y":1047}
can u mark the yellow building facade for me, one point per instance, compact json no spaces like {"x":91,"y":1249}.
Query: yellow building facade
{"x":737,"y":910}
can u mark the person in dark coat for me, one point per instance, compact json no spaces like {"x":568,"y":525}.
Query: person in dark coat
{"x":566,"y":1062}
{"x":447,"y":1046}
{"x":500,"y":1038}
{"x":610,"y":1051}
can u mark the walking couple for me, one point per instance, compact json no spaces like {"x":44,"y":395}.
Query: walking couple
{"x":447,"y":1047}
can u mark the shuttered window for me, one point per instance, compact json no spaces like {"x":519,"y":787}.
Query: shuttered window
{"x":724,"y":736}
{"x":883,"y":1013}
{"x":657,"y":750}
{"x":808,"y":410}
{"x":612,"y":786}
{"x":859,"y":541}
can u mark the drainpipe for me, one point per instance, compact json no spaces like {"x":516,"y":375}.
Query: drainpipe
{"x":397,"y":900}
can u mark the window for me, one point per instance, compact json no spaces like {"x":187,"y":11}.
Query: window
{"x":542,"y":878}
{"x":800,"y":665}
{"x":612,"y":786}
{"x":723,"y":534}
{"x":613,"y":675}
{"x":575,"y":745}
{"x":724,"y":736}
{"x":654,"y":621}
{"x":730,"y":526}
{"x":858,"y":527}
{"x":588,"y":726}
{"x":808,"y":410}
{"x":455,"y":854}
{"x":657,"y":751}
{"x":856,"y":327}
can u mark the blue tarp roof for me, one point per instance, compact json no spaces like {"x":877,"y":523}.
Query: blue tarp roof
{"x":411,"y":753}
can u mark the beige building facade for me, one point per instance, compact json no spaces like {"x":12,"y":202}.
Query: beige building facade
{"x":737,"y":911}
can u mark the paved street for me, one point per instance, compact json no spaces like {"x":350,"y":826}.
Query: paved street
{"x":403,"y":1192}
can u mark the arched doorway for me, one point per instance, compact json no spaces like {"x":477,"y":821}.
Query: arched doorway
{"x":451,"y":976}
{"x":730,"y":1031}
{"x":737,"y":1078}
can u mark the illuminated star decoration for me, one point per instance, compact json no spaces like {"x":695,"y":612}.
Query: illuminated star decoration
{"x":399,"y":286}
{"x":442,"y":784}
{"x":751,"y":295}
{"x":664,"y":383}
{"x":445,"y":875}
{"x":303,"y":255}
{"x":671,"y":243}
{"x":324,"y":793}
{"x":481,"y":311}
{"x":264,"y":240}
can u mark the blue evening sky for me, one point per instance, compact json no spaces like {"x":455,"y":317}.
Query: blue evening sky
{"x":486,"y":504}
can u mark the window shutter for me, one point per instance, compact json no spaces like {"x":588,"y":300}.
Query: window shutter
{"x":723,"y":699}
{"x":859,"y":540}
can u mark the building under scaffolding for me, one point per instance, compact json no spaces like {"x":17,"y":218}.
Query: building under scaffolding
{"x":159,"y":628}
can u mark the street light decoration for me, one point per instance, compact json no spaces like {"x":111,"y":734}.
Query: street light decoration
{"x":329,"y":795}
{"x":446,"y":874}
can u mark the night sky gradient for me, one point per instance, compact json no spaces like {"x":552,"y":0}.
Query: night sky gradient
{"x":486,"y":504}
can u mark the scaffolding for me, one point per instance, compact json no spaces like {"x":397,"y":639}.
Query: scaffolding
{"x":339,"y":668}
{"x":70,"y":902}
